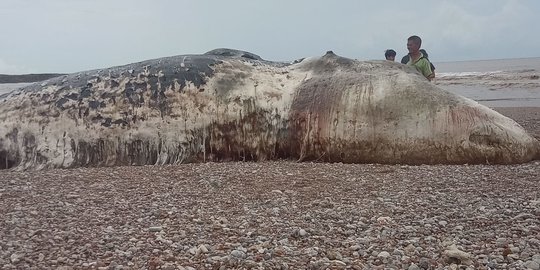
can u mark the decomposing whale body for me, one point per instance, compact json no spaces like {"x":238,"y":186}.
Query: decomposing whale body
{"x":232,"y":105}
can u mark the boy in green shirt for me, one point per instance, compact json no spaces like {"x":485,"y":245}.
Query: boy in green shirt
{"x":417,"y":59}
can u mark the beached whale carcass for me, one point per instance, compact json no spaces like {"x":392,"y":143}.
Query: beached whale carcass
{"x":233,"y":105}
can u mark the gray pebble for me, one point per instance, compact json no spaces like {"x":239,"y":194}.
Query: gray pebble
{"x":168,"y":266}
{"x":383,"y":254}
{"x":238,"y":254}
{"x":501,"y":242}
{"x":424,"y":263}
{"x":532,"y":265}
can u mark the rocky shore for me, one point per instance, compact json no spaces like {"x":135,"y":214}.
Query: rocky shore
{"x":275,"y":215}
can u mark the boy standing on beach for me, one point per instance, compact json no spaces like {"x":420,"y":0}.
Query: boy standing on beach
{"x":417,"y":59}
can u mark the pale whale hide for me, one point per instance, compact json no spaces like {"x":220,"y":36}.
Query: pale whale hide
{"x":232,"y":105}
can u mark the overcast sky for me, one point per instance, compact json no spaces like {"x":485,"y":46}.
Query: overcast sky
{"x":75,"y":35}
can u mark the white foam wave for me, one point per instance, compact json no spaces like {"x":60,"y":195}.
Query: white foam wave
{"x":524,"y":74}
{"x":467,"y":74}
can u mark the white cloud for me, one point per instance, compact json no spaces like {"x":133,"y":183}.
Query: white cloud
{"x":75,"y":35}
{"x":493,"y":32}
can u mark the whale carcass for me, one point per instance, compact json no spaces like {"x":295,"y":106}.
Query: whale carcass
{"x":232,"y":105}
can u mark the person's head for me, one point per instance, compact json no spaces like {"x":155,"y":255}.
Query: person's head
{"x":390,"y":55}
{"x":413,"y":44}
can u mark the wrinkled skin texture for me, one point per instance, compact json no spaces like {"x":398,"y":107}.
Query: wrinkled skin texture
{"x":232,"y":105}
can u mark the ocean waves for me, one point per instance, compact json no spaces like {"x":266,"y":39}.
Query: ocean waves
{"x":523,"y":78}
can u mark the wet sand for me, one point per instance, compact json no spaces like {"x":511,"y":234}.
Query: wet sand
{"x":8,"y":87}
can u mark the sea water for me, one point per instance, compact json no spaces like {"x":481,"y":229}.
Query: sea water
{"x":516,"y":64}
{"x":494,"y":83}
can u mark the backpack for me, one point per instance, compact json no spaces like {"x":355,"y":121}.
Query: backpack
{"x":407,"y":57}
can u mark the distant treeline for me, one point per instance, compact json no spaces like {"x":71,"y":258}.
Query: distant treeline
{"x":27,"y":78}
